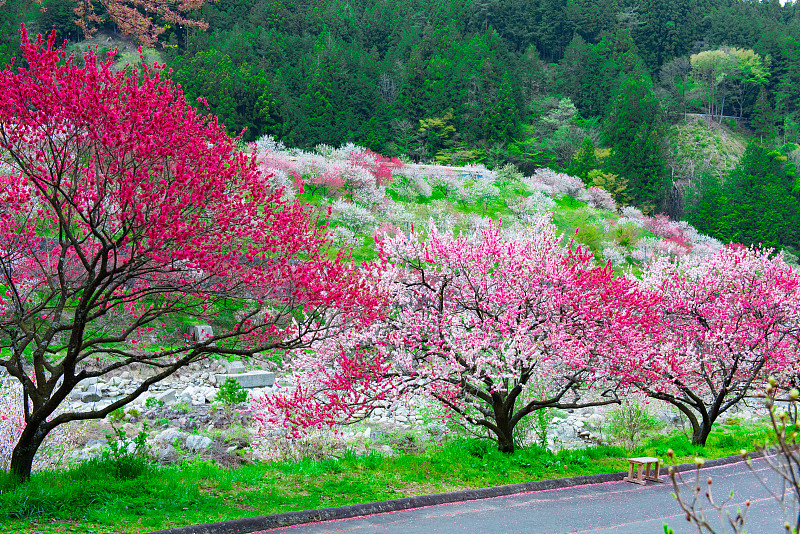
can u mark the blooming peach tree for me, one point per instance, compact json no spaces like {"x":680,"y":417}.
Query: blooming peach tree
{"x":727,"y":321}
{"x":341,"y":380}
{"x":124,"y":209}
{"x":482,"y":321}
{"x":492,"y":326}
{"x":144,"y":20}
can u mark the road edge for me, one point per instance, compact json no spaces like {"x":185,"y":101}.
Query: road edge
{"x":248,"y":525}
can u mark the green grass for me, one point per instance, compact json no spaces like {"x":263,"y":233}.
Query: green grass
{"x":134,"y":496}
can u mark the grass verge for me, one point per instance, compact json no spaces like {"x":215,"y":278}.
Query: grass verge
{"x":133,"y":495}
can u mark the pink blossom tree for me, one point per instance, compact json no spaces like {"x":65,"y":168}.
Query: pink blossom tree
{"x":483,"y":321}
{"x":124,"y":209}
{"x":728,"y":320}
{"x":381,"y":167}
{"x":341,"y":380}
{"x":145,"y":20}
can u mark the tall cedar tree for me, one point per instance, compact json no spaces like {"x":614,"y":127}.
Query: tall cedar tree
{"x":763,"y":116}
{"x":756,"y":204}
{"x":635,"y":130}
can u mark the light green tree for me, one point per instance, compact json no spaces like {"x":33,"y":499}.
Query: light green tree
{"x":727,"y":72}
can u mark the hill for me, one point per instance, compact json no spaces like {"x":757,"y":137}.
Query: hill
{"x":361,"y":194}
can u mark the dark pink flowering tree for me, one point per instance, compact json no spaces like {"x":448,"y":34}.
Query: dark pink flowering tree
{"x":381,"y":167}
{"x":123,"y":209}
{"x":728,"y":320}
{"x":340,"y":381}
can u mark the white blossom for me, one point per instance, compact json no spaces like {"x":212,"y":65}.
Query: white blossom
{"x":353,"y":216}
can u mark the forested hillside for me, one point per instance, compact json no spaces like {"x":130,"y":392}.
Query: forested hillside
{"x":575,"y":85}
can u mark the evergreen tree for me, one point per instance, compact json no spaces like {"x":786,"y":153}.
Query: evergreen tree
{"x":635,"y":130}
{"x":708,"y":209}
{"x":584,"y":161}
{"x":763,"y":116}
{"x":756,"y":204}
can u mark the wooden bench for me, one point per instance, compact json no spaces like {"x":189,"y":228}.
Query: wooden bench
{"x":640,"y":463}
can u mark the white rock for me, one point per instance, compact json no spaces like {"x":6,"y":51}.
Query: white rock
{"x":86,"y":382}
{"x":595,"y":420}
{"x":166,"y":452}
{"x":197,"y":443}
{"x":233,"y":367}
{"x":169,"y":436}
{"x":167,"y":397}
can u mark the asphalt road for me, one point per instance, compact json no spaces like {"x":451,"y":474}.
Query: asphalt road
{"x":618,"y":507}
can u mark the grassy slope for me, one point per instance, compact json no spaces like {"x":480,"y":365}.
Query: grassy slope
{"x":135,"y":497}
{"x":105,"y":498}
{"x":693,"y":146}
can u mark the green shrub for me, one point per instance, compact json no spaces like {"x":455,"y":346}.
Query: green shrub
{"x":152,"y":402}
{"x":230,"y":394}
{"x":627,"y":235}
{"x":508,"y":174}
{"x":117,"y":416}
{"x":629,"y":423}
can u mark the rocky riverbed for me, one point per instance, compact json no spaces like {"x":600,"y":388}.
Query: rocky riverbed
{"x":179,"y":418}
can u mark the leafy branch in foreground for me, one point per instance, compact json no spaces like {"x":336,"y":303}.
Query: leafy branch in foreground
{"x":783,"y":460}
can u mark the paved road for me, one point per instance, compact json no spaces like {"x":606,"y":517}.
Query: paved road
{"x":614,"y":507}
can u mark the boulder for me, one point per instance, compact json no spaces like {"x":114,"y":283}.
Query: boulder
{"x":167,"y":397}
{"x":253,"y":379}
{"x":234,"y":367}
{"x":90,"y":396}
{"x":86,"y":382}
{"x":208,"y":392}
{"x":167,"y":453}
{"x":169,"y":436}
{"x":199,"y":333}
{"x":197,"y":443}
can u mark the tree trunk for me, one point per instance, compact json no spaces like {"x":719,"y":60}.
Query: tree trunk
{"x":701,"y":427}
{"x":29,"y":442}
{"x":504,"y":431}
{"x":700,"y":434}
{"x":505,"y":442}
